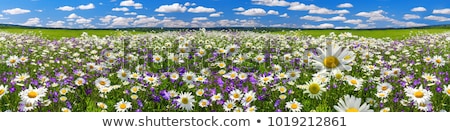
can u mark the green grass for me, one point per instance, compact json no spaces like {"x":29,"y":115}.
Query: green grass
{"x":392,"y":33}
{"x":59,"y":33}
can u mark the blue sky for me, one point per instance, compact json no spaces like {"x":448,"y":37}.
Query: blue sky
{"x":225,"y":13}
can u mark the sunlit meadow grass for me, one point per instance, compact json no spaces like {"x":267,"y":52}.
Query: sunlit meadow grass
{"x":152,"y":71}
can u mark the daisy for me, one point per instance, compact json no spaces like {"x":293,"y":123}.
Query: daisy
{"x":438,"y":61}
{"x":265,"y":79}
{"x":102,"y":82}
{"x":189,"y":77}
{"x":387,"y":109}
{"x":294,"y":106}
{"x":201,"y":52}
{"x":216,"y":97}
{"x":314,"y":89}
{"x":351,"y":104}
{"x":282,"y":89}
{"x":153,"y":79}
{"x":424,"y":106}
{"x":251,"y":109}
{"x":418,"y":95}
{"x":157,"y":58}
{"x":22,"y":77}
{"x":282,"y":96}
{"x":174,"y":76}
{"x":381,"y":94}
{"x":228,"y":105}
{"x":203,"y":103}
{"x":135,"y":75}
{"x":243,"y":76}
{"x":384,"y":87}
{"x":428,"y":59}
{"x":200,"y":79}
{"x":185,"y":101}
{"x":240,"y":59}
{"x":32,"y":95}
{"x":122,"y":106}
{"x":90,"y":66}
{"x":123,"y":74}
{"x":3,"y":90}
{"x":446,"y":90}
{"x":236,"y":95}
{"x":205,"y":72}
{"x":293,"y":74}
{"x":63,"y":91}
{"x":277,"y":68}
{"x":429,"y":77}
{"x":232,"y":49}
{"x":231,"y":75}
{"x":64,"y":109}
{"x":238,"y":109}
{"x":173,"y":93}
{"x":395,"y":71}
{"x":259,"y":58}
{"x":12,"y":61}
{"x":221,"y":64}
{"x":355,"y":82}
{"x":23,"y":59}
{"x":333,"y":58}
{"x":248,"y":98}
{"x":140,"y":68}
{"x":287,"y":57}
{"x":27,"y":106}
{"x":135,"y":89}
{"x":102,"y":105}
{"x":134,"y":96}
{"x":200,"y":92}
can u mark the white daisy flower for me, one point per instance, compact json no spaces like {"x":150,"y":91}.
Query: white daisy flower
{"x":351,"y":104}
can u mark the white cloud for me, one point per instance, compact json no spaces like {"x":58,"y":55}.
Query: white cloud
{"x":65,"y":8}
{"x":272,"y":12}
{"x":345,"y":5}
{"x":318,"y":19}
{"x":86,"y":7}
{"x":327,"y":11}
{"x":169,"y":22}
{"x":321,"y":26}
{"x":107,"y":18}
{"x":15,"y":11}
{"x":146,"y":22}
{"x":410,"y":16}
{"x":39,"y":10}
{"x":437,"y":18}
{"x":253,"y":12}
{"x":345,"y":27}
{"x":363,"y":26}
{"x":354,"y":21}
{"x":32,"y":22}
{"x":175,"y":7}
{"x":337,"y":18}
{"x":239,"y":9}
{"x":238,"y":23}
{"x":83,"y":21}
{"x":160,"y":15}
{"x":121,"y":21}
{"x":131,"y":3}
{"x":285,"y":15}
{"x":201,"y":9}
{"x":57,"y":24}
{"x":73,"y":16}
{"x":297,"y":6}
{"x":418,"y":9}
{"x":407,"y":24}
{"x":442,"y":11}
{"x":124,"y":9}
{"x":217,"y":14}
{"x":189,"y":4}
{"x":271,"y":2}
{"x":130,"y":13}
{"x":199,"y":19}
{"x":374,"y":15}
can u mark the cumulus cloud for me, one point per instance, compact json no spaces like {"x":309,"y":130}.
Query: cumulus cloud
{"x":86,"y":7}
{"x":354,"y":21}
{"x":15,"y":11}
{"x":410,"y":16}
{"x":344,"y":27}
{"x":271,"y":2}
{"x":199,"y":19}
{"x":418,"y":9}
{"x":72,"y":17}
{"x":189,"y":4}
{"x":32,"y":22}
{"x":107,"y":18}
{"x":175,"y":7}
{"x":442,"y":11}
{"x":83,"y":21}
{"x":272,"y":12}
{"x":374,"y":15}
{"x":121,"y":22}
{"x":130,"y":13}
{"x":65,"y":8}
{"x":131,"y":3}
{"x":321,"y":26}
{"x":239,"y":9}
{"x":253,"y":12}
{"x":146,"y":22}
{"x":124,"y":9}
{"x":217,"y":14}
{"x":318,"y":18}
{"x":201,"y":9}
{"x":285,"y":15}
{"x":297,"y":6}
{"x":437,"y":18}
{"x":327,"y":11}
{"x":56,"y":24}
{"x":345,"y":5}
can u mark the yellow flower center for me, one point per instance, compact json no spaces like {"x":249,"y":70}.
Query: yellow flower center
{"x":134,"y":89}
{"x":102,"y":83}
{"x":201,"y":52}
{"x":330,"y":62}
{"x":174,"y":76}
{"x":305,"y":61}
{"x":157,"y":59}
{"x":102,"y":106}
{"x":217,"y":97}
{"x":382,"y":94}
{"x":63,"y":91}
{"x":229,"y":106}
{"x":353,"y":81}
{"x":203,"y":103}
{"x":182,"y":50}
{"x":282,"y":89}
{"x":384,"y":88}
{"x":122,"y":106}
{"x":200,"y":78}
{"x":293,"y":74}
{"x":232,"y":49}
{"x":294,"y":106}
{"x":233,"y":75}
{"x":249,"y":98}
{"x":2,"y":91}
{"x":438,"y":61}
{"x":259,"y":59}
{"x":32,"y":94}
{"x":448,"y":91}
{"x":189,"y":77}
{"x":184,"y":100}
{"x":347,"y":57}
{"x":266,"y":79}
{"x":352,"y":110}
{"x":428,"y":59}
{"x":12,"y":61}
{"x":338,"y":76}
{"x":236,"y":95}
{"x":418,"y":94}
{"x":222,"y":65}
{"x":314,"y":88}
{"x":124,"y":74}
{"x":151,"y":79}
{"x":396,"y":72}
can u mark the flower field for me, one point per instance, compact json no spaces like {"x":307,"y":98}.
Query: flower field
{"x":224,"y":71}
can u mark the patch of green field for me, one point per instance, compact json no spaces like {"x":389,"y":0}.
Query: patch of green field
{"x":392,"y":33}
{"x":59,"y":33}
